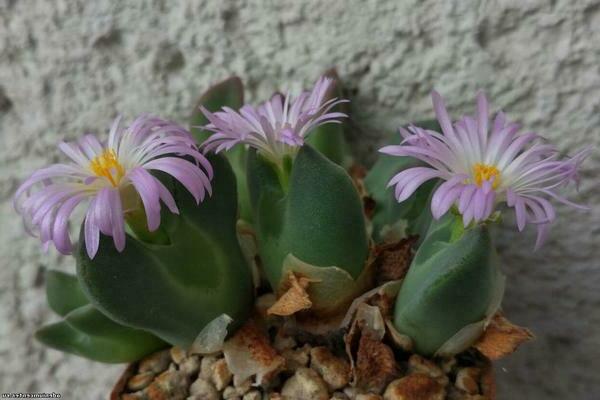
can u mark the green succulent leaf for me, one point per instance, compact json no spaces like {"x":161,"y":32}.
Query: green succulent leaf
{"x":329,"y":139}
{"x":228,"y":93}
{"x":63,"y":292}
{"x":262,"y":176}
{"x":318,"y":219}
{"x":174,"y":290}
{"x":451,"y":283}
{"x":415,"y":210}
{"x":88,"y":333}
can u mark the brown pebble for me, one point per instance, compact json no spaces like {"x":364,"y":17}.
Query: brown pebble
{"x":305,"y":384}
{"x":190,"y":366}
{"x":140,"y":381}
{"x":467,"y":379}
{"x":204,"y":389}
{"x":171,"y":385}
{"x":206,"y":365}
{"x":221,"y":376}
{"x":415,"y":387}
{"x":238,"y":389}
{"x":252,"y":395}
{"x":230,"y":392}
{"x":156,"y":362}
{"x":334,"y":370}
{"x":244,"y":385}
{"x":375,"y":365}
{"x":418,"y":364}
{"x":177,"y":354}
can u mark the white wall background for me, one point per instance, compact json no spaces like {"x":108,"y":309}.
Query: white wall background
{"x":67,"y":67}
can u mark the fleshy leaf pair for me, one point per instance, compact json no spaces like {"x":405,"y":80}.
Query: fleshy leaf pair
{"x":87,"y":332}
{"x":174,"y":290}
{"x":316,"y":215}
{"x":452,"y":289}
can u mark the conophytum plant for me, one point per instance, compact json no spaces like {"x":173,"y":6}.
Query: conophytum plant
{"x":159,"y":255}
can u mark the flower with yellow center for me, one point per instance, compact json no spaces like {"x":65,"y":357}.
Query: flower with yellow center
{"x":483,"y":172}
{"x":115,"y":180}
{"x":483,"y":164}
{"x":107,"y":165}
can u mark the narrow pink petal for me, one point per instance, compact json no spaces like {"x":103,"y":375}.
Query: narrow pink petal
{"x":102,"y":211}
{"x":91,"y":230}
{"x":442,"y":115}
{"x":445,"y":195}
{"x":409,"y":180}
{"x":192,"y":178}
{"x":117,"y":220}
{"x":145,"y":185}
{"x":448,"y":199}
{"x":60,"y":231}
{"x":520,"y":213}
{"x":465,"y":198}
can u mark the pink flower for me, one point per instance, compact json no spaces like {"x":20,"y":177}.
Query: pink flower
{"x":484,"y":165}
{"x":277,"y":127}
{"x":113,"y":178}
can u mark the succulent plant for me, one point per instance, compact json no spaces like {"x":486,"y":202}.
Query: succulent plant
{"x":330,"y":232}
{"x":433,"y":304}
{"x":173,"y":290}
{"x":453,"y":286}
{"x":285,"y":175}
{"x":172,"y":231}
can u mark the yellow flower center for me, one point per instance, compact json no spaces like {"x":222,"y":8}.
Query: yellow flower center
{"x":484,"y":172}
{"x":108,"y":166}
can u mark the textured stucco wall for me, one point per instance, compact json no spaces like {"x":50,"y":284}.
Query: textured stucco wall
{"x":69,"y":66}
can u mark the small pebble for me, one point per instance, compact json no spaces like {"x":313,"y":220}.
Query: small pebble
{"x":206,"y":366}
{"x":230,"y":392}
{"x":171,"y":385}
{"x":238,"y":390}
{"x":418,"y":364}
{"x":351,"y":392}
{"x":190,"y":366}
{"x":156,"y":362}
{"x":252,"y":395}
{"x":177,"y":354}
{"x":334,"y":370}
{"x":221,"y":376}
{"x":140,"y":381}
{"x":204,"y":389}
{"x":467,"y":379}
{"x":244,"y":385}
{"x":305,"y":384}
{"x":415,"y":386}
